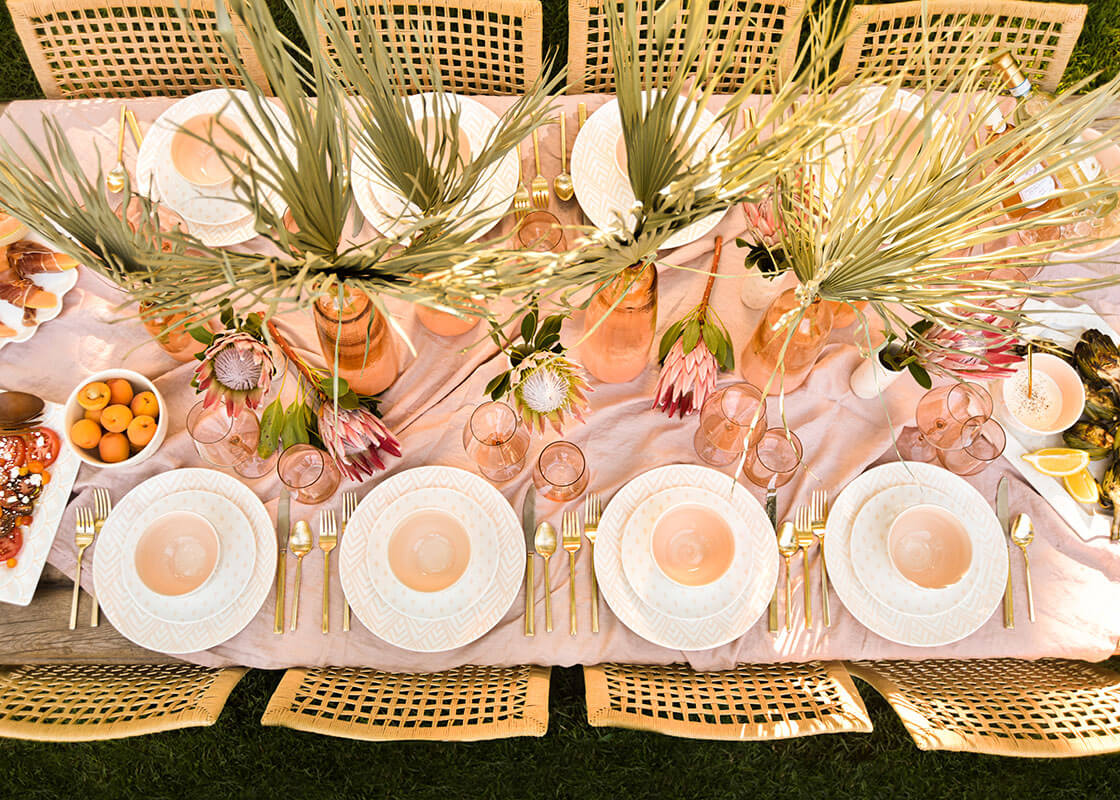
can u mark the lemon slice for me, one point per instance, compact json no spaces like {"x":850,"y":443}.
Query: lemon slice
{"x":1057,"y":462}
{"x":1082,"y":486}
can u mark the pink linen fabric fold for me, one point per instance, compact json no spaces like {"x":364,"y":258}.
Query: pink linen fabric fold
{"x":1077,"y":583}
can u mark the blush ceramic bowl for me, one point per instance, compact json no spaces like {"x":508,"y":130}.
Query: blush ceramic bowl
{"x":692,"y":545}
{"x":929,"y":546}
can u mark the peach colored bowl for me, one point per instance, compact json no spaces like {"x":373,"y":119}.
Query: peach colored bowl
{"x":692,"y":545}
{"x":1069,"y":386}
{"x":151,"y":550}
{"x":929,"y":546}
{"x":196,"y":160}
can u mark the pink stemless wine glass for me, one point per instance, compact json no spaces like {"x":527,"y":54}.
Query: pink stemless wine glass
{"x":774,"y":460}
{"x":220,"y":439}
{"x":309,"y":472}
{"x":541,"y":231}
{"x":496,"y":440}
{"x":982,"y":442}
{"x":942,"y":411}
{"x":725,"y":421}
{"x":560,"y":472}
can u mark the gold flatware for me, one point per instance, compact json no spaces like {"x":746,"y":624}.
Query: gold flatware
{"x":1022,"y":533}
{"x":283,"y":533}
{"x":349,"y":506}
{"x":772,"y":515}
{"x":1003,"y":513}
{"x":528,"y":530}
{"x":544,"y":540}
{"x":804,"y":528}
{"x":521,"y":200}
{"x":83,"y":538}
{"x":136,"y":135}
{"x":102,"y":506}
{"x":328,"y":538}
{"x":114,"y":181}
{"x":562,"y":184}
{"x":592,"y":510}
{"x":818,"y":502}
{"x":570,"y":538}
{"x":300,"y":545}
{"x":787,"y":546}
{"x":540,"y":183}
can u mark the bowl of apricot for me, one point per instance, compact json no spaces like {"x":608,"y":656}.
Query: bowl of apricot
{"x":115,"y":418}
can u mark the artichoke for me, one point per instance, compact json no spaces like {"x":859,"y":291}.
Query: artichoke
{"x":1092,"y":437}
{"x":1110,"y":495}
{"x":1098,"y":359}
{"x":1101,"y":403}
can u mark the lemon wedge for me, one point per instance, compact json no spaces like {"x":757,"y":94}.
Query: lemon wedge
{"x":1082,"y":486}
{"x":1058,"y":462}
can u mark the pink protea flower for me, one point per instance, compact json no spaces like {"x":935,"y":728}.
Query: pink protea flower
{"x":972,"y":353}
{"x":763,"y":223}
{"x":356,"y":439}
{"x":236,"y":369}
{"x":686,"y":380}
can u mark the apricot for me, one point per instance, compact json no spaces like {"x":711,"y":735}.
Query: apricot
{"x":115,"y":419}
{"x":120,"y":391}
{"x":145,"y":404}
{"x":141,"y":430}
{"x":85,"y":433}
{"x":113,"y":448}
{"x":94,"y":414}
{"x":94,"y":395}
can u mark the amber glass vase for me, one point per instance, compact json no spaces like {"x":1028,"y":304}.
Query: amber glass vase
{"x":760,"y":357}
{"x":170,"y":334}
{"x":367,"y":354}
{"x":618,"y":349}
{"x":442,"y":323}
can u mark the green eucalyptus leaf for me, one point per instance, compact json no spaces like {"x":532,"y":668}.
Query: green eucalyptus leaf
{"x":712,"y":338}
{"x":529,"y":326}
{"x":550,"y":326}
{"x":493,"y":386}
{"x":690,"y":336}
{"x":201,"y":334}
{"x":920,"y":374}
{"x":547,"y":341}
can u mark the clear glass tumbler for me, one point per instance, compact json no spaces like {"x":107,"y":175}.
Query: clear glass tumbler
{"x":309,"y":472}
{"x":561,"y":472}
{"x":220,"y":439}
{"x":982,"y":442}
{"x":725,"y":421}
{"x":496,"y":440}
{"x":774,"y":460}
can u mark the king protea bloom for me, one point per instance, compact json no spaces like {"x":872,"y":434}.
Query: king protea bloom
{"x":686,"y":380}
{"x":236,"y":369}
{"x":546,"y":386}
{"x":356,"y":439}
{"x":971,"y":353}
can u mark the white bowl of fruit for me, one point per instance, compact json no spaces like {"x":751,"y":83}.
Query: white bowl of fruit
{"x":115,"y":418}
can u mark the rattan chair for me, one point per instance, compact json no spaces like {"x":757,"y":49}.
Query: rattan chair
{"x":749,"y":703}
{"x":1039,"y":709}
{"x":480,"y":46}
{"x":770,"y":25}
{"x":1041,"y":35}
{"x":460,"y":705}
{"x":78,"y":703}
{"x":125,"y":48}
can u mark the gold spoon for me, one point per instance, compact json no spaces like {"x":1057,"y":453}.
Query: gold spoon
{"x":787,"y":546}
{"x":1022,"y":533}
{"x":562,"y":184}
{"x":299,"y":543}
{"x":114,"y":181}
{"x":544,"y":540}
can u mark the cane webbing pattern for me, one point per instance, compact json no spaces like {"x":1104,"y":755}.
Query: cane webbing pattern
{"x":464,"y":704}
{"x":479,"y":46}
{"x":125,"y":48}
{"x":769,"y":25}
{"x":73,"y":703}
{"x":1041,"y":35}
{"x":1003,"y":706}
{"x":750,"y":702}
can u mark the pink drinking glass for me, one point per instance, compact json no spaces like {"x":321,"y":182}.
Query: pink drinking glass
{"x":982,"y":442}
{"x":725,"y":421}
{"x":541,"y":231}
{"x":497,"y":442}
{"x":773,"y":461}
{"x":560,"y":472}
{"x":942,"y":411}
{"x":309,"y":472}
{"x":220,"y":439}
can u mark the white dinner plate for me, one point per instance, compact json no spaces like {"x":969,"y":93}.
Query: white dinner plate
{"x":58,"y":283}
{"x":237,"y":555}
{"x":655,"y":588}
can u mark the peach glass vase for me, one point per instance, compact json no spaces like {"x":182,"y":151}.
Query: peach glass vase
{"x":366,"y":351}
{"x":170,"y":334}
{"x":617,"y":350}
{"x":441,"y":323}
{"x":759,"y":359}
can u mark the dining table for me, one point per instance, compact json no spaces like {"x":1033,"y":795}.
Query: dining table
{"x":1076,"y":581}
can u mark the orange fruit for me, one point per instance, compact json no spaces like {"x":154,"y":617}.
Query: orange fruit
{"x":120,"y":391}
{"x":145,"y":404}
{"x":141,"y":430}
{"x":94,"y":414}
{"x":115,"y":419}
{"x":94,"y":396}
{"x":11,"y":229}
{"x":113,"y":448}
{"x":85,"y":433}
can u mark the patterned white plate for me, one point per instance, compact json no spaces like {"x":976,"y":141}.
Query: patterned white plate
{"x":237,"y":555}
{"x":385,"y":208}
{"x":654,"y":587}
{"x":427,"y":635}
{"x":17,"y":585}
{"x":604,"y":193}
{"x":471,"y":584}
{"x":932,"y":631}
{"x":661,"y":629}
{"x":136,"y":624}
{"x":871,"y":560}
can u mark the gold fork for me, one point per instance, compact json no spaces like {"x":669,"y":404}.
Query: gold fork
{"x":819,"y":504}
{"x":521,"y":203}
{"x":349,"y":505}
{"x":102,"y":505}
{"x":571,"y":539}
{"x":328,"y":538}
{"x":540,"y":183}
{"x":803,"y":528}
{"x":83,"y":538}
{"x":592,"y":510}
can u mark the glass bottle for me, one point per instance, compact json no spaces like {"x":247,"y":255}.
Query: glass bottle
{"x":759,"y":359}
{"x":617,"y":350}
{"x":367,"y":353}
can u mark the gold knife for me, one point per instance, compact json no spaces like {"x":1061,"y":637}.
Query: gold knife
{"x":283,"y":528}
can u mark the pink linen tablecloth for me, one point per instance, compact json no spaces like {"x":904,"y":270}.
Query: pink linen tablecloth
{"x":1077,"y":583}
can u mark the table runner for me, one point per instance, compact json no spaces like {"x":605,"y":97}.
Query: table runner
{"x":1076,"y":583}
